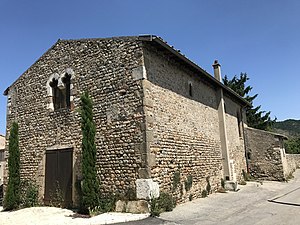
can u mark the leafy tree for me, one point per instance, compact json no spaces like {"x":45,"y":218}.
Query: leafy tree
{"x":292,"y":145}
{"x":12,"y":196}
{"x":90,"y":185}
{"x":255,"y":118}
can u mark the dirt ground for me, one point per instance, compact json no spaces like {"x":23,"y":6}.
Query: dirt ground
{"x":270,"y":203}
{"x":53,"y":216}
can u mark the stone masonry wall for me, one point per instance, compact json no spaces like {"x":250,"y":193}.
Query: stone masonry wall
{"x":235,"y":138}
{"x":2,"y":163}
{"x":2,"y":142}
{"x":155,"y":117}
{"x":292,"y":163}
{"x":104,"y":68}
{"x":265,"y":154}
{"x":183,"y":129}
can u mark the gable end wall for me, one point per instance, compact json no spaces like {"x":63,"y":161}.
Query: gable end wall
{"x":104,"y":69}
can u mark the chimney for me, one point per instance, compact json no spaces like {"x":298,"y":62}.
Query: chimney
{"x":217,"y":70}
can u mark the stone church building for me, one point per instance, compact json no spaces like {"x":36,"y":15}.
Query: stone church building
{"x":157,"y":114}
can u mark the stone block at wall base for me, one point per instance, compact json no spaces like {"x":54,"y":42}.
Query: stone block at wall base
{"x":231,"y":185}
{"x":140,"y":206}
{"x":146,"y":189}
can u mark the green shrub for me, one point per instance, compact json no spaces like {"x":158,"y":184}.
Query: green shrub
{"x":247,"y":176}
{"x":107,"y":203}
{"x":208,"y":186}
{"x":29,"y":194}
{"x":188,"y":183}
{"x":222,"y":183}
{"x":95,"y":211}
{"x":292,"y":145}
{"x":289,"y":176}
{"x":176,"y":179}
{"x":164,"y":203}
{"x":204,"y":193}
{"x":130,"y":194}
{"x":56,"y":197}
{"x":155,"y":209}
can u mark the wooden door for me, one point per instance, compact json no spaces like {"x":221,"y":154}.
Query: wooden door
{"x":58,"y":177}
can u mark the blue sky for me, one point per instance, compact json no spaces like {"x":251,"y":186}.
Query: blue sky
{"x":261,"y":38}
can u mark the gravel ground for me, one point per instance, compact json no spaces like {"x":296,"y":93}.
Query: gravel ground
{"x":53,"y":216}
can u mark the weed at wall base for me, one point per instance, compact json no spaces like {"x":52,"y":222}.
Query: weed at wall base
{"x":208,"y":186}
{"x":204,"y":194}
{"x":29,"y":194}
{"x":164,"y":203}
{"x":188,"y":183}
{"x":190,"y":197}
{"x":176,"y":180}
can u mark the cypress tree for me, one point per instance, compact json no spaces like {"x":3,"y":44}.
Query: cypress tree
{"x":90,"y":183}
{"x":12,"y":196}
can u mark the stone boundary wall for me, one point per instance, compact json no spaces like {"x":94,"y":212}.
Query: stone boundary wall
{"x":292,"y":163}
{"x":265,"y":154}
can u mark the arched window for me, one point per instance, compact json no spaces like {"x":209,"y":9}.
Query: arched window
{"x":61,"y":92}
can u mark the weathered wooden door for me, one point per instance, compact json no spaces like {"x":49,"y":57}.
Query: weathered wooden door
{"x":58,"y":177}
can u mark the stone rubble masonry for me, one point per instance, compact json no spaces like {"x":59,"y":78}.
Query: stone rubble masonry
{"x":103,"y":67}
{"x":292,"y":163}
{"x":154,"y":115}
{"x":2,"y":142}
{"x":235,"y":139}
{"x":265,"y":153}
{"x":2,"y":163}
{"x":139,"y":206}
{"x":183,"y":131}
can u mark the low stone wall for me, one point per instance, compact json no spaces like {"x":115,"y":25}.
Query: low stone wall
{"x":265,"y":154}
{"x":292,"y":163}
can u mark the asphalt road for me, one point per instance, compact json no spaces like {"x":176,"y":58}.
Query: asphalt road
{"x":272,"y":203}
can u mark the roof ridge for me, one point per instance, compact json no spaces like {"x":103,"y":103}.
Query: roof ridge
{"x":104,"y":38}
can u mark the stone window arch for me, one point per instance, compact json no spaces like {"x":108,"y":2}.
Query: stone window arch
{"x":59,"y":90}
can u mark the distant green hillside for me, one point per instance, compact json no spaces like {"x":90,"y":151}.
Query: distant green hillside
{"x":288,"y":127}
